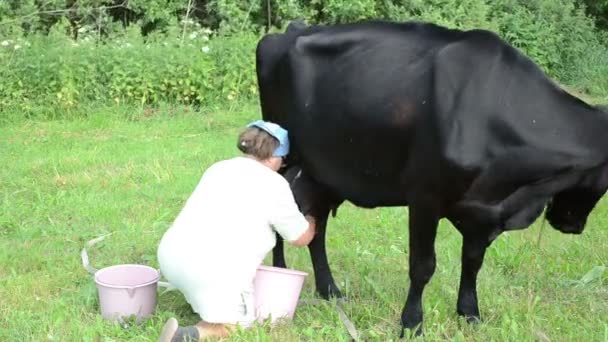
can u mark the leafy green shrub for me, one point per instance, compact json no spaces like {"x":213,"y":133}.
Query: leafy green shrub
{"x":554,"y":33}
{"x":465,"y":14}
{"x":340,"y":11}
{"x":58,"y":71}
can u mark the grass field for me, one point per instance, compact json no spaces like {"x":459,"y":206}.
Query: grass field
{"x":128,"y":172}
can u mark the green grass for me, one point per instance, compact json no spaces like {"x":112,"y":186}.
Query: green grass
{"x":128,"y":171}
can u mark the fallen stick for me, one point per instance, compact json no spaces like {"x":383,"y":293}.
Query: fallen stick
{"x":350,"y":327}
{"x":92,"y":270}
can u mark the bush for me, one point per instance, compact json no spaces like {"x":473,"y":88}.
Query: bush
{"x":554,"y":33}
{"x":58,"y":71}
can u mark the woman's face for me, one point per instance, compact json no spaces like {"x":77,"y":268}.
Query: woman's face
{"x":274,"y":163}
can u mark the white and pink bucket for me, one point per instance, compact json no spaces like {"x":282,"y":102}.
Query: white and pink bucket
{"x":130,"y":290}
{"x":127,"y":291}
{"x":276,"y":292}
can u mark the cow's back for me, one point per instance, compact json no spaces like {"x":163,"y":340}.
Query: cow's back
{"x":379,"y":110}
{"x":355,"y":98}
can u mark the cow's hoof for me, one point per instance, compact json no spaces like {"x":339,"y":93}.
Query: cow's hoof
{"x":411,"y":325}
{"x":470,"y":313}
{"x":330,"y":292}
{"x":411,"y":332}
{"x":470,"y":318}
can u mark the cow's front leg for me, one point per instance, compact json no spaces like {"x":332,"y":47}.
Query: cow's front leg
{"x":324,"y":280}
{"x":423,"y":229}
{"x":278,"y":253}
{"x":473,"y":251}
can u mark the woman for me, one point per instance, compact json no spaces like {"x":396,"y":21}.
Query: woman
{"x":226,"y":228}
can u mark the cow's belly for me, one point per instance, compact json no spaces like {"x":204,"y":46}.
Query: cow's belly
{"x":355,"y":130}
{"x":367,"y":171}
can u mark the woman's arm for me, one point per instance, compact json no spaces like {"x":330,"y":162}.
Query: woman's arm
{"x":308,"y":235}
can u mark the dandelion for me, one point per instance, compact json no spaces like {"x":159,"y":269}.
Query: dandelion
{"x":17,"y":46}
{"x":205,"y":38}
{"x":5,"y":43}
{"x":205,"y":49}
{"x":192,"y":35}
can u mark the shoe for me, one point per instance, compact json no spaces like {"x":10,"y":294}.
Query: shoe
{"x":166,"y":335}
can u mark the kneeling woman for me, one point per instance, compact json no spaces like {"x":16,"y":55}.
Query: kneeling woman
{"x":226,"y":228}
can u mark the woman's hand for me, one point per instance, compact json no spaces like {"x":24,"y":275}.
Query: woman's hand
{"x":312,"y":223}
{"x":309,"y":234}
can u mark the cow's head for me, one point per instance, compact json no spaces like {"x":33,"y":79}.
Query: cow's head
{"x":569,"y":209}
{"x":312,"y":198}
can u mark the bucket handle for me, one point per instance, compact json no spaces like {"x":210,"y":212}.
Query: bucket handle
{"x":168,"y":287}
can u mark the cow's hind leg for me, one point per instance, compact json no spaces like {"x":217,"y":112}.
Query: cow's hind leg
{"x":325,"y":283}
{"x":473,"y":251}
{"x":278,"y":253}
{"x":423,"y":229}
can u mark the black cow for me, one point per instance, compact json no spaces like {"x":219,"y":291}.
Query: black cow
{"x":454,"y":124}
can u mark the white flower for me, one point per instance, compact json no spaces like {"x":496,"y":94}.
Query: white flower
{"x":192,"y":35}
{"x":5,"y":43}
{"x":17,"y":46}
{"x":82,"y":29}
{"x":205,"y":38}
{"x":205,"y":49}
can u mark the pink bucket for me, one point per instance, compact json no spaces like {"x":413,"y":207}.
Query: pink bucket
{"x":276,"y":292}
{"x":127,"y":290}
